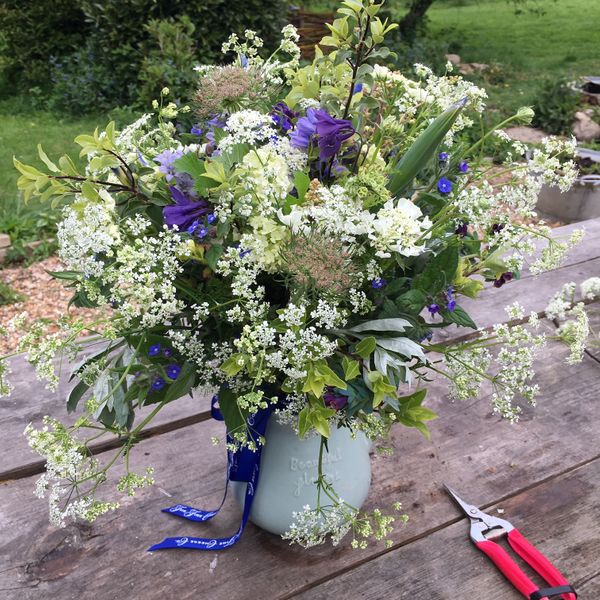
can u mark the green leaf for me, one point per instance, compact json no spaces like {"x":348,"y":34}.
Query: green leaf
{"x":183,"y":384}
{"x":365,"y":347}
{"x":235,"y":419}
{"x":212,"y":256}
{"x":412,"y":301}
{"x":46,"y":160}
{"x":439,"y":272}
{"x":395,"y":325}
{"x":231,"y":366}
{"x":190,"y":163}
{"x":460,"y":317}
{"x":301,"y":183}
{"x":303,"y":423}
{"x":75,"y":396}
{"x":351,"y":368}
{"x":422,"y":151}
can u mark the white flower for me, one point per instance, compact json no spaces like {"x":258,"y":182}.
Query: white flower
{"x":590,"y":288}
{"x":398,"y":227}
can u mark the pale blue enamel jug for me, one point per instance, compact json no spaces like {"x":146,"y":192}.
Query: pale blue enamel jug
{"x":288,"y":469}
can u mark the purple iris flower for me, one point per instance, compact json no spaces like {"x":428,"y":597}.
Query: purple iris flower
{"x":378,"y":283}
{"x":166,"y":159}
{"x":444,"y":185}
{"x":173,"y":371}
{"x":334,"y":399}
{"x":283,"y":115}
{"x":185,"y":210}
{"x":463,"y":167}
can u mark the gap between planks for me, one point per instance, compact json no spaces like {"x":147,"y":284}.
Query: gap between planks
{"x":426,"y":533}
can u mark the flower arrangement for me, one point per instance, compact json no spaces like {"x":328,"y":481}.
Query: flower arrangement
{"x":290,"y":239}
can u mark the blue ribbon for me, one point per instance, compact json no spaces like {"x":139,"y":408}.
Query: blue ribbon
{"x":242,"y":465}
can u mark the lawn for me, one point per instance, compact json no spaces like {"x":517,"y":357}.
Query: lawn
{"x":529,"y":47}
{"x":20,"y":132}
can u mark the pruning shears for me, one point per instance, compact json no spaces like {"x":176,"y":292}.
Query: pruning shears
{"x":485,"y":528}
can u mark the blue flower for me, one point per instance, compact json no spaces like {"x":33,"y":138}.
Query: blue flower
{"x":202,"y":232}
{"x":192,"y":228}
{"x":378,"y":283}
{"x":154,"y":350}
{"x":243,"y":61}
{"x":166,"y":159}
{"x":244,"y":253}
{"x":142,"y":159}
{"x":443,"y":156}
{"x":167,"y":352}
{"x":358,"y":88}
{"x":433,"y":308}
{"x":305,"y":129}
{"x":158,"y":384}
{"x":444,"y":185}
{"x":195,"y":130}
{"x":185,"y":211}
{"x":173,"y":371}
{"x":450,"y":301}
{"x":463,"y":167}
{"x":211,"y":218}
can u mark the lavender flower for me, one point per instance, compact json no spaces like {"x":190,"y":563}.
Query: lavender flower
{"x":166,"y":159}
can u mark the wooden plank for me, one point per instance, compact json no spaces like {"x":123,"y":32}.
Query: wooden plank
{"x":560,"y":517}
{"x":533,"y":293}
{"x":30,"y":401}
{"x":470,"y":449}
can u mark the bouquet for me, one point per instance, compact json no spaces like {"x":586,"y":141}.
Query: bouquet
{"x":290,"y":238}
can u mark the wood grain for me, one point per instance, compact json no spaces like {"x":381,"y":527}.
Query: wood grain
{"x":471,"y":450}
{"x":560,"y":518}
{"x":30,"y":401}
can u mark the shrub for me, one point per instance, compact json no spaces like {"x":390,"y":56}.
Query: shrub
{"x":94,"y":51}
{"x":555,"y":106}
{"x":170,"y":62}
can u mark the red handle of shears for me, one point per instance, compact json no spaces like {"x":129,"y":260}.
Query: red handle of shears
{"x":507,"y":566}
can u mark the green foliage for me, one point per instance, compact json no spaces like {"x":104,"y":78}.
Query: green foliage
{"x":95,"y":54}
{"x":8,"y":295}
{"x":169,"y":60}
{"x":555,"y":106}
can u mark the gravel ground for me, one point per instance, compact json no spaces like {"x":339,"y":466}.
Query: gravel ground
{"x":45,"y":297}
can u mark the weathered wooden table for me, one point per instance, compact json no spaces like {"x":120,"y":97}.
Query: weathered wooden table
{"x":544,"y":473}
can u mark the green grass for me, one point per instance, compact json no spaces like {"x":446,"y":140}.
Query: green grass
{"x":20,"y":132}
{"x":563,"y":41}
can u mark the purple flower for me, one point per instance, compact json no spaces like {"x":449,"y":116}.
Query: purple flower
{"x":358,"y":88}
{"x":463,"y":167}
{"x":462,"y":229}
{"x":443,"y":156}
{"x":185,"y":210}
{"x":211,"y":218}
{"x":196,"y":130}
{"x":444,"y":185}
{"x":451,"y":305}
{"x":331,"y":133}
{"x":244,"y":253}
{"x":504,"y":278}
{"x":173,"y":371}
{"x":378,"y":283}
{"x":166,"y":159}
{"x":158,"y":384}
{"x":334,"y":399}
{"x":450,"y":301}
{"x":167,"y":352}
{"x":283,"y":116}
{"x":497,"y":228}
{"x":154,"y":350}
{"x":305,"y":129}
{"x":428,"y":336}
{"x":433,"y":309}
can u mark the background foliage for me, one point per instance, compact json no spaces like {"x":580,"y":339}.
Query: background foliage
{"x":87,"y":54}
